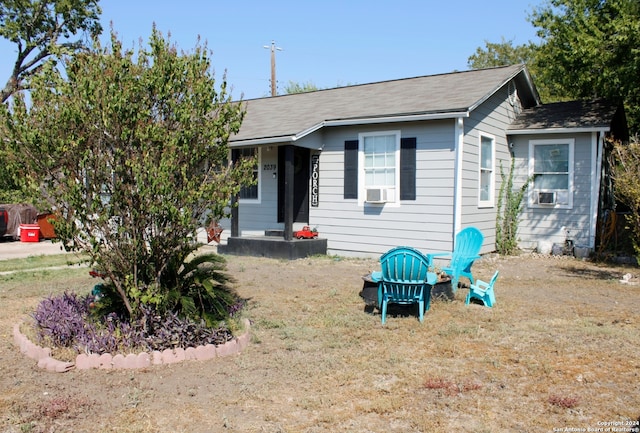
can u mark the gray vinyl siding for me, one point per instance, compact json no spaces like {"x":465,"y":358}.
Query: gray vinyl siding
{"x":258,"y":216}
{"x":542,"y":227}
{"x":424,"y":223}
{"x":492,"y":118}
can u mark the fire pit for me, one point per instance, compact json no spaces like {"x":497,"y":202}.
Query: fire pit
{"x":369,"y":293}
{"x":442,"y":289}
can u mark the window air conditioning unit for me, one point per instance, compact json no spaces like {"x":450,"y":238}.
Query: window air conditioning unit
{"x":548,"y":198}
{"x":376,"y":195}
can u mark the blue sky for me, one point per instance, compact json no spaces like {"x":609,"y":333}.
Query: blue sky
{"x":329,"y":43}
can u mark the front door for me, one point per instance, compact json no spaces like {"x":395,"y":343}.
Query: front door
{"x":300,"y":184}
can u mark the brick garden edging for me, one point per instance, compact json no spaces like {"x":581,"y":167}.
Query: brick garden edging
{"x":132,"y":360}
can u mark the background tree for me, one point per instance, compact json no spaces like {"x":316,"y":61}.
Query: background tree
{"x":295,"y":87}
{"x":590,"y":49}
{"x":503,"y":53}
{"x":132,"y":156}
{"x":587,"y":49}
{"x":41,"y":31}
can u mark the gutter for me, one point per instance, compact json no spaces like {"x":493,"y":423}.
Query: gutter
{"x":527,"y":131}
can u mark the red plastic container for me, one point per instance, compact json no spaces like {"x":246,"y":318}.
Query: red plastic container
{"x":29,"y":233}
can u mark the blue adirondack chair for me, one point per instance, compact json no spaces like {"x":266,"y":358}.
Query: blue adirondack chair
{"x":465,"y":251}
{"x":483,"y":291}
{"x":405,"y":279}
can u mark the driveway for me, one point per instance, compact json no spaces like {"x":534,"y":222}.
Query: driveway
{"x":15,"y":249}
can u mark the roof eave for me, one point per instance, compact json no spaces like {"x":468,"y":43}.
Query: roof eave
{"x":262,"y":141}
{"x":350,"y":122}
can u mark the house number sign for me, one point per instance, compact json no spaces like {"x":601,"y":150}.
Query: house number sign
{"x":315,"y":176}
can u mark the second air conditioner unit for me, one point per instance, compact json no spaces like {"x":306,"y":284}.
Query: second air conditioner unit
{"x":547,"y":198}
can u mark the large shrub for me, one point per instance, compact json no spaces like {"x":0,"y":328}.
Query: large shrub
{"x":131,"y":153}
{"x":626,"y":175}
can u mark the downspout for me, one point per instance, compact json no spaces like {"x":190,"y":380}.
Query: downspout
{"x":597,"y":150}
{"x":457,"y":183}
{"x":235,"y":209}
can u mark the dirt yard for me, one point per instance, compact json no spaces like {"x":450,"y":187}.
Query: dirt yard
{"x":558,"y":352}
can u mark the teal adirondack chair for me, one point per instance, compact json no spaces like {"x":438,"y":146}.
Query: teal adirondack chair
{"x":405,"y":279}
{"x":465,"y":251}
{"x":483,"y":291}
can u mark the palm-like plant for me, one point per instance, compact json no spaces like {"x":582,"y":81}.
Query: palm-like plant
{"x":200,"y":288}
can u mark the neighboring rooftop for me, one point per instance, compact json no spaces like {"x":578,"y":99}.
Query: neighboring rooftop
{"x":595,"y":114}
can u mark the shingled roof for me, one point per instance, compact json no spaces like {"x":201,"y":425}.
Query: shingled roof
{"x":584,"y":115}
{"x":289,"y":117}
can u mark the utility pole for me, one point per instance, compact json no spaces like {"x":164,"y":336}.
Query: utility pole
{"x":273,"y":47}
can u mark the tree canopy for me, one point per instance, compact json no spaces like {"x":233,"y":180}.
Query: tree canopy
{"x":503,"y":53}
{"x":295,"y":87}
{"x":587,"y":49}
{"x":131,"y":154}
{"x":591,"y":48}
{"x":41,"y":30}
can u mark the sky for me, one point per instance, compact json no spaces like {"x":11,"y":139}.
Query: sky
{"x":329,"y":43}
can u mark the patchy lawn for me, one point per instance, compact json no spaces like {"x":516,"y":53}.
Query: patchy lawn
{"x":559,"y":350}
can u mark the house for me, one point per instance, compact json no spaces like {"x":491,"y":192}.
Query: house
{"x":413,"y":161}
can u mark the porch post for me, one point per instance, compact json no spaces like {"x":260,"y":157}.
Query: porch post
{"x":288,"y":191}
{"x":457,"y":183}
{"x":234,"y":216}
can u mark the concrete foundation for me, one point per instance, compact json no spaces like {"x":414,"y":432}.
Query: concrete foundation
{"x":274,"y":247}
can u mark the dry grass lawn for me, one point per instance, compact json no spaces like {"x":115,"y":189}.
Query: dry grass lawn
{"x":559,"y":351}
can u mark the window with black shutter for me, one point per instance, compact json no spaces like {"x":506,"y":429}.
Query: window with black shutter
{"x":408,"y":168}
{"x":351,"y":169}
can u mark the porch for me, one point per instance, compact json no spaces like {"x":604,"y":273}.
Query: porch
{"x":287,"y":174}
{"x":274,"y":245}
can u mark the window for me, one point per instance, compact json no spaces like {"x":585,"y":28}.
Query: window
{"x":380,"y":167}
{"x":379,"y":160}
{"x":551,"y":164}
{"x":251,"y":192}
{"x":380,"y":154}
{"x":487,"y":173}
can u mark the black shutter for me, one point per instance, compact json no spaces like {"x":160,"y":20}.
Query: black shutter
{"x":408,"y":168}
{"x":351,"y":169}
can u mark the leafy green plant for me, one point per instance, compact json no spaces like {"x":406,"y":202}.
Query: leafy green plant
{"x":509,"y":207}
{"x":626,"y":174}
{"x":199,"y":289}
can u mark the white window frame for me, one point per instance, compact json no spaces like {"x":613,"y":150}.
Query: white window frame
{"x":393,"y":192}
{"x":490,"y":202}
{"x":259,"y":177}
{"x":563,"y":197}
